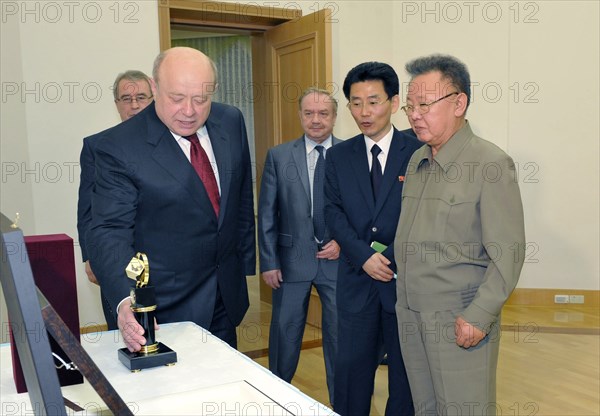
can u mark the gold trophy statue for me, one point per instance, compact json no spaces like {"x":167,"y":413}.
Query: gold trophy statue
{"x":143,"y":305}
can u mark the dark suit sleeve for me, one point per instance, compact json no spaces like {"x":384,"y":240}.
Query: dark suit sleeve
{"x":268,"y":211}
{"x":111,"y":237}
{"x":247,"y":231}
{"x":84,"y":203}
{"x":356,"y":250}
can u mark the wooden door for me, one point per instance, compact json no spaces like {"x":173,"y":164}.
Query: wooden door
{"x":289,"y":53}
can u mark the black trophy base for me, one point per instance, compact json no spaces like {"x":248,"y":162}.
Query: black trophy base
{"x":136,"y":361}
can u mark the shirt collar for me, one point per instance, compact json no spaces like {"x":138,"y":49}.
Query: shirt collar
{"x":452,"y":148}
{"x":310,"y":145}
{"x":384,"y":143}
{"x":202,"y":132}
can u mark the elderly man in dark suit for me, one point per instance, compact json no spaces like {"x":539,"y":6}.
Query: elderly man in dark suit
{"x":296,"y":250}
{"x":175,"y":183}
{"x":132,"y":93}
{"x":364,"y":178}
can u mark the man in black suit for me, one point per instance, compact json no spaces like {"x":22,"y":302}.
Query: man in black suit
{"x":364,"y":178}
{"x":132,"y":93}
{"x":175,"y":182}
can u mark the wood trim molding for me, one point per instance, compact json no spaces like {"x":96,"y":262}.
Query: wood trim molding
{"x":90,"y":329}
{"x":247,"y":11}
{"x":164,"y":25}
{"x":545,"y":297}
{"x":529,"y":297}
{"x":220,"y":15}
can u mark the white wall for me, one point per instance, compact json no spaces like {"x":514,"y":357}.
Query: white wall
{"x":537,"y":55}
{"x":59,"y":61}
{"x":535,"y":76}
{"x":535,"y":91}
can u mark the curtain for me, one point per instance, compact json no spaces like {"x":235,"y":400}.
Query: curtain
{"x":233,"y":57}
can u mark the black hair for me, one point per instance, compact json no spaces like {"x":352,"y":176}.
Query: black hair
{"x":373,"y":71}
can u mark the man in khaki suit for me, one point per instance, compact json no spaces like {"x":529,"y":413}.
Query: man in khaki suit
{"x":459,"y":246}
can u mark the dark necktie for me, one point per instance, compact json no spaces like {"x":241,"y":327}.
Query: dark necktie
{"x":376,"y":174}
{"x":318,"y":196}
{"x":203,"y":168}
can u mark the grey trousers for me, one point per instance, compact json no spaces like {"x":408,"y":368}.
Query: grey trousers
{"x":290,"y":307}
{"x":446,"y":379}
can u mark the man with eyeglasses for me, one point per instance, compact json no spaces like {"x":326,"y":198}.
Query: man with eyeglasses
{"x":459,"y":246}
{"x":132,"y":94}
{"x":364,"y":179}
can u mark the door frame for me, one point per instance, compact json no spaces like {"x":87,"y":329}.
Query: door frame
{"x":242,"y":19}
{"x":236,"y":18}
{"x":220,"y":16}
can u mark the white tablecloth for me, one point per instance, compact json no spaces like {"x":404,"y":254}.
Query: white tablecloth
{"x":210,"y":378}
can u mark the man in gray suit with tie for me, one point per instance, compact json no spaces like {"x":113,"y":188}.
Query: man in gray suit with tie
{"x":296,"y":251}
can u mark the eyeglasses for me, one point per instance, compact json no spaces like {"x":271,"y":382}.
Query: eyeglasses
{"x":423,"y":108}
{"x":370,"y":104}
{"x":140,"y":98}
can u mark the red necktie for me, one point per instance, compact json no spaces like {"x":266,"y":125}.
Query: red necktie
{"x":204,"y":169}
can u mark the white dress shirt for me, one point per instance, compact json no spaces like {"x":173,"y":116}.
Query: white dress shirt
{"x":312,"y":155}
{"x":206,"y":145}
{"x":384,"y":144}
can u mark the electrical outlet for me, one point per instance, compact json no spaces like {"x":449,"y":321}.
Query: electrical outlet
{"x":576,"y":299}
{"x":561,"y":298}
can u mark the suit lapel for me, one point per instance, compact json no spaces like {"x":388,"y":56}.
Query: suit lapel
{"x":360,"y":164}
{"x":221,"y":148}
{"x":299,"y":160}
{"x":169,"y":155}
{"x":393,"y":164}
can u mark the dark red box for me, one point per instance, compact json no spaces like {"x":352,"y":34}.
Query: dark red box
{"x":53,"y":265}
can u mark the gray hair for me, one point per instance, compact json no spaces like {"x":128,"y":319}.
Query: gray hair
{"x":314,"y":90}
{"x":131,"y":75}
{"x":450,"y":67}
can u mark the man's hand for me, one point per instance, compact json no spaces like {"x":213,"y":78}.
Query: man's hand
{"x":377,"y":267}
{"x":131,"y":330}
{"x":467,"y":335}
{"x":273,"y":278}
{"x":90,"y":274}
{"x":330,"y":251}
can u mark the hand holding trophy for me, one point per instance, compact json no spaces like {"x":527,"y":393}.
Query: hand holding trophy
{"x":143,"y":305}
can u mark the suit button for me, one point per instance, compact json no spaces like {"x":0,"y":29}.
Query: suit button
{"x":374,"y":229}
